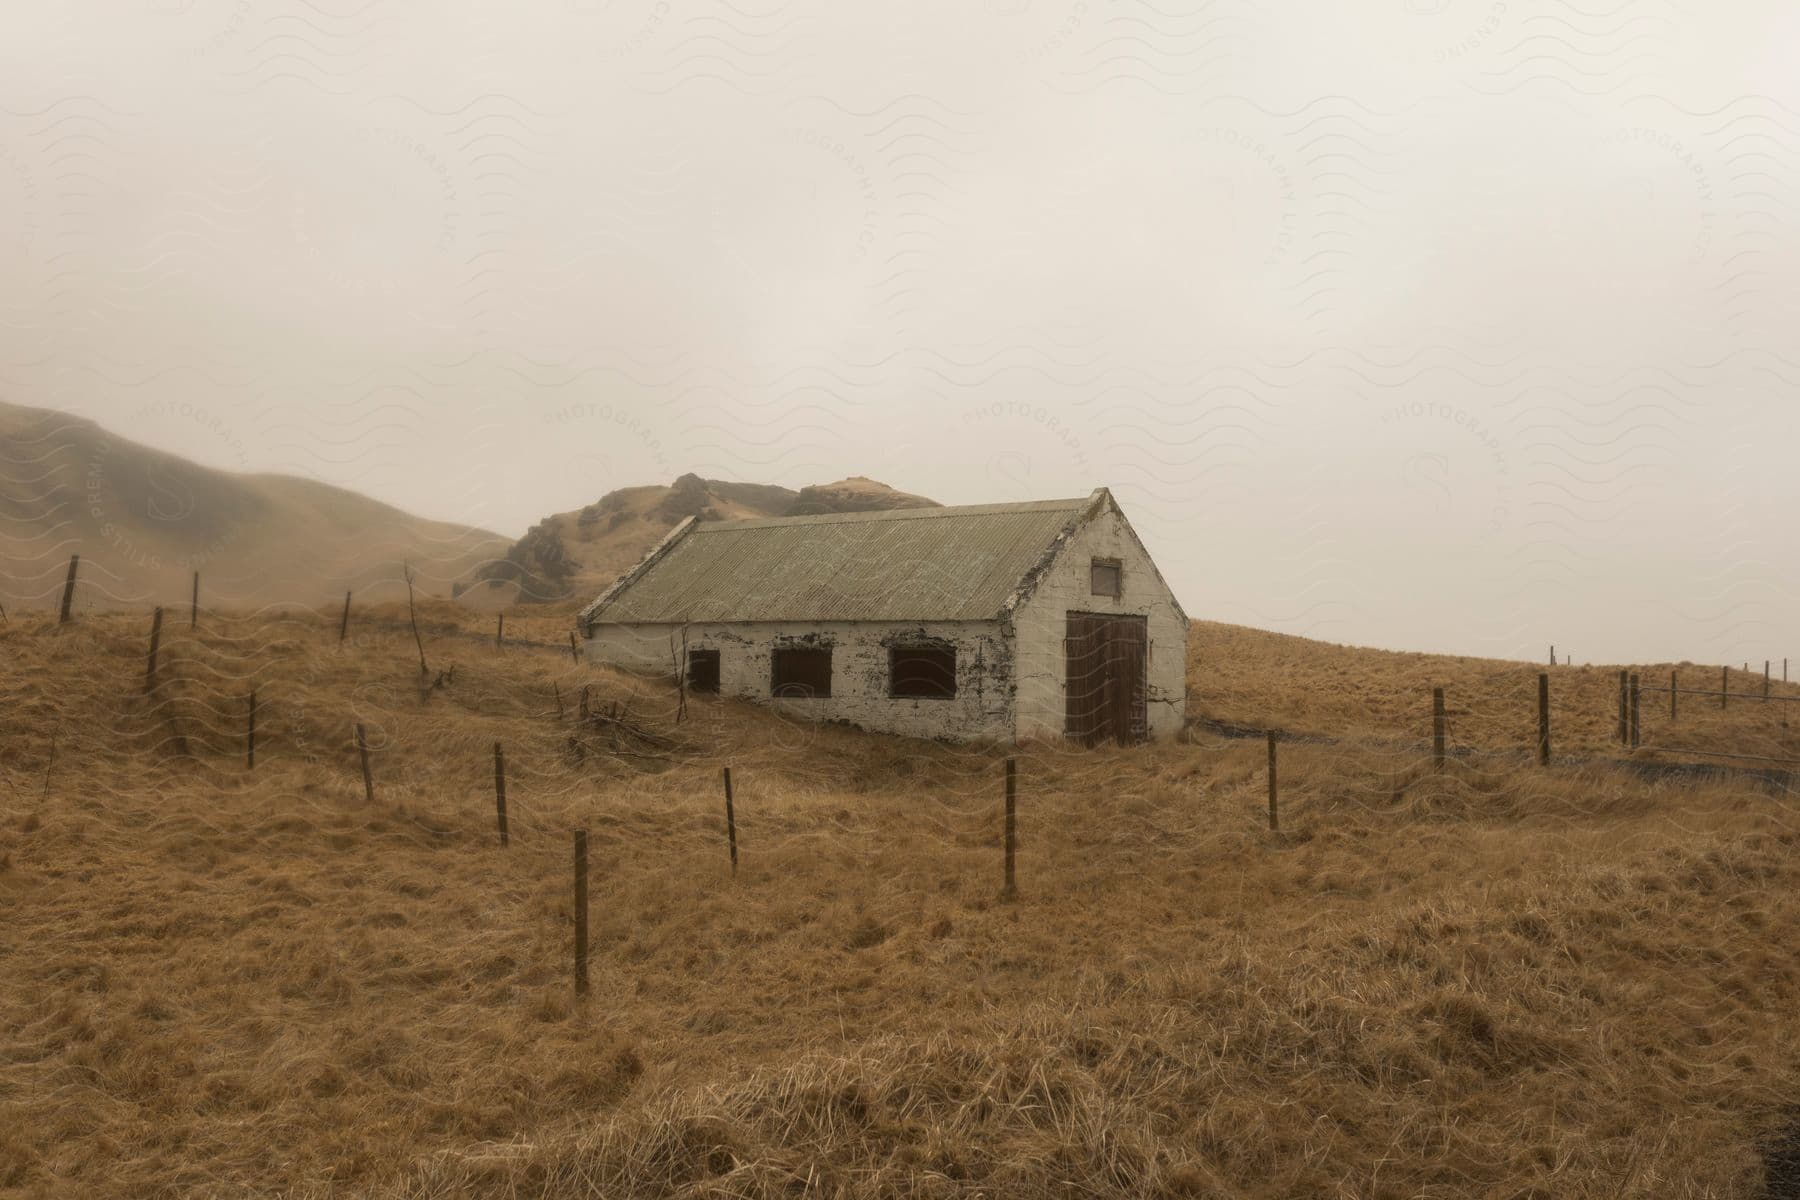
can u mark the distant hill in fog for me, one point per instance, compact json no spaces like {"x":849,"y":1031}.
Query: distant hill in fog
{"x":144,"y":520}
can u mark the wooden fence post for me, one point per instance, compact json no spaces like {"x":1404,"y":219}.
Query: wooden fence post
{"x":1724,"y":685}
{"x":155,"y":641}
{"x":1634,"y":710}
{"x":499,"y":630}
{"x":362,"y":749}
{"x":500,"y":790}
{"x":344,"y":625}
{"x":574,"y":650}
{"x":194,"y":608}
{"x":730,"y":821}
{"x":1624,"y":707}
{"x":250,"y":736}
{"x":1274,"y":817}
{"x":1010,"y":890}
{"x":581,"y":913}
{"x":1672,"y":694}
{"x":1437,"y":729}
{"x":1543,"y":739}
{"x":69,"y":589}
{"x":1553,"y":654}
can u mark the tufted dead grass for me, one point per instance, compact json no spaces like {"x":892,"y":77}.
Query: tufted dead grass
{"x":1302,"y":686}
{"x":1500,"y":981}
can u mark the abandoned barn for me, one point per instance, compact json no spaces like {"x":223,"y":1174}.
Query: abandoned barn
{"x":995,"y":622}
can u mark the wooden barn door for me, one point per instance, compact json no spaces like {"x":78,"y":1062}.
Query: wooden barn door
{"x":1106,"y":657}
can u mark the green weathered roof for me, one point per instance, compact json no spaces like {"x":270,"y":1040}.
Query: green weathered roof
{"x":912,"y":564}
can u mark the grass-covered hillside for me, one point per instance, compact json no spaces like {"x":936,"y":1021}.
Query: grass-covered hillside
{"x":1500,"y":981}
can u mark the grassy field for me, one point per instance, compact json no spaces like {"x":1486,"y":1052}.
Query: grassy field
{"x":1500,"y":981}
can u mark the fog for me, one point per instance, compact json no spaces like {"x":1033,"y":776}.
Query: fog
{"x":1462,"y":325}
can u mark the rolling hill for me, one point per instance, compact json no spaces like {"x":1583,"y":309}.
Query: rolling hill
{"x":1491,"y":980}
{"x":572,"y":556}
{"x":144,"y":520}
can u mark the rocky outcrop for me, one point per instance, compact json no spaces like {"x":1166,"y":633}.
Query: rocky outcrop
{"x":855,"y":494}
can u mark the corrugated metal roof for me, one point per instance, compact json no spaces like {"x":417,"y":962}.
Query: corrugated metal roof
{"x":915,"y":564}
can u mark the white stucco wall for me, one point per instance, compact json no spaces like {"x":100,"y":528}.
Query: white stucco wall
{"x":981,"y":708}
{"x":1041,"y":622}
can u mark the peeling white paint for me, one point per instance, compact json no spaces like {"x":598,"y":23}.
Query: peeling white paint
{"x":981,"y":708}
{"x":1010,"y":671}
{"x":1040,"y":621}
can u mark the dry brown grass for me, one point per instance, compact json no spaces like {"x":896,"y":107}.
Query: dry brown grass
{"x":1261,"y":678}
{"x":144,"y":520}
{"x":1499,"y":982}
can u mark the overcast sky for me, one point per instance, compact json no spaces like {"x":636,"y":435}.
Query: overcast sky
{"x":1434,"y":324}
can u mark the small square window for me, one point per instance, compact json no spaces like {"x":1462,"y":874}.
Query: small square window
{"x":800,"y":672}
{"x":922,"y":672}
{"x":1105,"y":578}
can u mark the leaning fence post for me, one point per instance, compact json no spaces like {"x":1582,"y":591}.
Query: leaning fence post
{"x":730,"y":822}
{"x":1274,"y":818}
{"x":1437,"y":729}
{"x":1010,"y":890}
{"x":574,"y":651}
{"x":155,"y":641}
{"x":69,"y":589}
{"x":1543,"y":739}
{"x":581,"y":913}
{"x":362,"y":749}
{"x":344,"y":625}
{"x":500,"y":790}
{"x":250,"y":736}
{"x":1634,"y":710}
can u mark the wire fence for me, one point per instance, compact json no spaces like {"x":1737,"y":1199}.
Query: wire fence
{"x":223,"y":700}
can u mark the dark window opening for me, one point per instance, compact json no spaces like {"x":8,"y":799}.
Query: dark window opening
{"x":1105,"y":577}
{"x":922,"y":672}
{"x":703,"y":671}
{"x":801,"y":672}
